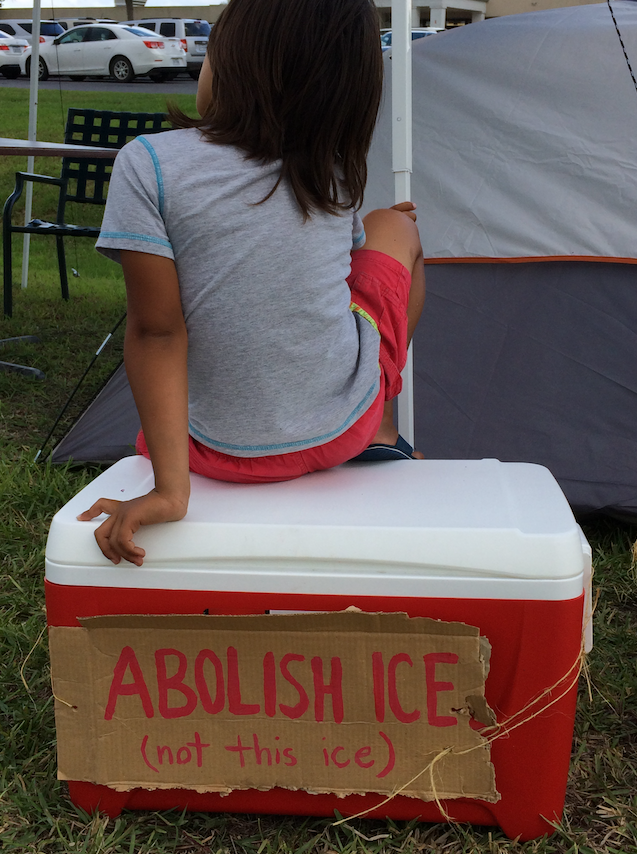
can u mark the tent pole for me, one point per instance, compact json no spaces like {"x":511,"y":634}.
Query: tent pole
{"x":402,"y":168}
{"x":33,"y":132}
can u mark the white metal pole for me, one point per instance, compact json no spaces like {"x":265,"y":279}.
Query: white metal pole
{"x":402,"y":168}
{"x":33,"y":132}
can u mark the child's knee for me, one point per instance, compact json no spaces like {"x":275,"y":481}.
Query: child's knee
{"x":394,"y":233}
{"x":385,"y":219}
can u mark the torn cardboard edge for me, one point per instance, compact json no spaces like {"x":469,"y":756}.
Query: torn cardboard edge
{"x":396,"y":622}
{"x":340,"y":703}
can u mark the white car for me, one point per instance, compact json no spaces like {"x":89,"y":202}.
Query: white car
{"x":109,"y":51}
{"x":10,"y":52}
{"x":194,"y":32}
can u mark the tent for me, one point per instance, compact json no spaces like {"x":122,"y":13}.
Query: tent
{"x":525,"y":178}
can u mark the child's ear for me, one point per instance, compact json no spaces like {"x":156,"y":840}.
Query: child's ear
{"x":204,"y":87}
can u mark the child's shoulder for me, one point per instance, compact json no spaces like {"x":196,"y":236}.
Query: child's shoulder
{"x":181,"y":148}
{"x":166,"y":140}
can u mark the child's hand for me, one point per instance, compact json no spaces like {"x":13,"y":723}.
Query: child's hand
{"x":406,"y":208}
{"x":115,"y":535}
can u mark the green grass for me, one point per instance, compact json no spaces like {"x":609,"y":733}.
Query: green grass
{"x":53,"y":106}
{"x":36,"y":816}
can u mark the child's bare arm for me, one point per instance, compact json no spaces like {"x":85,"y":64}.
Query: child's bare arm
{"x":155,"y":354}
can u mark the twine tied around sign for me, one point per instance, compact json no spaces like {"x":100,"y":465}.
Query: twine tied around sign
{"x":498,"y":730}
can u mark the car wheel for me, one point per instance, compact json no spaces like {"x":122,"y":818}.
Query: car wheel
{"x":11,"y":73}
{"x":122,"y":70}
{"x":78,"y":77}
{"x":194,"y":74}
{"x":43,"y":70}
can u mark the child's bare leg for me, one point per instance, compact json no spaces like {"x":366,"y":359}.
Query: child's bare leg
{"x":395,"y":233}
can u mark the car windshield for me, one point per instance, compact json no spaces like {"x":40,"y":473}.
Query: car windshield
{"x":197,"y":28}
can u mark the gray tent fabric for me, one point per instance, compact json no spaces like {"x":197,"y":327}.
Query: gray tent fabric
{"x":523,"y":157}
{"x":106,"y":430}
{"x":523,"y":150}
{"x":523,"y":130}
{"x":535,"y":363}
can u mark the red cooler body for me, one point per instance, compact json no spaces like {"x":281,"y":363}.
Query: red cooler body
{"x":490,"y":544}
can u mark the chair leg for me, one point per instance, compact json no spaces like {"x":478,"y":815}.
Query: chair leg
{"x":64,"y":282}
{"x":7,"y":273}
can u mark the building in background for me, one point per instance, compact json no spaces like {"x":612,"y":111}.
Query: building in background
{"x":440,"y":13}
{"x":453,"y":13}
{"x":497,"y":8}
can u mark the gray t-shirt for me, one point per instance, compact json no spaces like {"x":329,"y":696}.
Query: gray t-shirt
{"x":277,"y":361}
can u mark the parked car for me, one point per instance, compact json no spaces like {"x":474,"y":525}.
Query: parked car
{"x":416,"y":33}
{"x":109,"y":51}
{"x":192,"y":31}
{"x":22,"y":28}
{"x":10,"y":52}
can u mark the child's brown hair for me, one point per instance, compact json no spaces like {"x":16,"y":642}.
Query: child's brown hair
{"x":300,"y":81}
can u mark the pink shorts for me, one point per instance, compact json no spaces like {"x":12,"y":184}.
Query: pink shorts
{"x":380,"y":292}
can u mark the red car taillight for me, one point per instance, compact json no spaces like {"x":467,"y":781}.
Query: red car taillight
{"x":4,"y":47}
{"x":184,"y":45}
{"x":153,"y":44}
{"x":42,"y":39}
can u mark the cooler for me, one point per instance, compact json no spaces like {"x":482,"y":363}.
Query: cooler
{"x":490,"y":544}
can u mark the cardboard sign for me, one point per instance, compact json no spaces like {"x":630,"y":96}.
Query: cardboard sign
{"x":342,"y":703}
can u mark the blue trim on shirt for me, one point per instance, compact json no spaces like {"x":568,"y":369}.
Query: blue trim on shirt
{"x":128,"y":235}
{"x":305,"y":443}
{"x":359,"y":240}
{"x":158,"y":175}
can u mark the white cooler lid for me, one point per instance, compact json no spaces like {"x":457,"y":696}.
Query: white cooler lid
{"x":397,"y":522}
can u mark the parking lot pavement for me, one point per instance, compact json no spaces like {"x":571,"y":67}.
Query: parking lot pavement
{"x":183,"y":85}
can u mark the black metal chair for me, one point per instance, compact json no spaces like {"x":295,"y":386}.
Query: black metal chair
{"x":82,"y":180}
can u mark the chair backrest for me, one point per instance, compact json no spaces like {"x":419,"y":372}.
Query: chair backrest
{"x":87,"y":179}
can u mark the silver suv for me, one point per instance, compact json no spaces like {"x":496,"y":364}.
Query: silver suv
{"x":22,"y":28}
{"x":193,"y":32}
